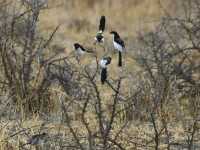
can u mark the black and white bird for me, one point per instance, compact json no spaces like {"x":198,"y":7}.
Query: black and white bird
{"x":118,"y":45}
{"x":99,"y":38}
{"x":37,"y":139}
{"x":79,"y":50}
{"x":104,"y":62}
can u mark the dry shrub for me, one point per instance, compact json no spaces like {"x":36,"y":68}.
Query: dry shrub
{"x":143,"y":108}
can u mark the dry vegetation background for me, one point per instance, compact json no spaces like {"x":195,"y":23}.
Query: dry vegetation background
{"x":153,"y":102}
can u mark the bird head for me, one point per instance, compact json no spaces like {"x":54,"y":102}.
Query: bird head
{"x":76,"y":45}
{"x":105,"y":61}
{"x":113,"y":32}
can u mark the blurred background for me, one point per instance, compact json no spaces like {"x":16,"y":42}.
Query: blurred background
{"x":80,"y":19}
{"x":44,"y":88}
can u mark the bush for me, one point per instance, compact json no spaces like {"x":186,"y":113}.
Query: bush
{"x":37,"y":80}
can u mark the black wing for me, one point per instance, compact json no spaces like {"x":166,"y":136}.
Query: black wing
{"x":102,"y":23}
{"x":119,"y":41}
{"x":83,"y":49}
{"x":108,"y":60}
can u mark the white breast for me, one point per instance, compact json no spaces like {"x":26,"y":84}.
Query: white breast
{"x":79,"y":52}
{"x":117,"y":46}
{"x":103,"y":63}
{"x":102,"y":41}
{"x":95,"y":40}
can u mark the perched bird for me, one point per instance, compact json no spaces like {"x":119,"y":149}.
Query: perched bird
{"x":118,"y":45}
{"x":99,"y":38}
{"x":104,"y":62}
{"x":36,"y":139}
{"x":79,"y":50}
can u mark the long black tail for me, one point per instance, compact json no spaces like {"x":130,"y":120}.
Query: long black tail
{"x":103,"y":75}
{"x":120,"y":59}
{"x":89,"y":51}
{"x":102,"y":23}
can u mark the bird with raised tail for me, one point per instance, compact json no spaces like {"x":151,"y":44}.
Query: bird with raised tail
{"x":104,"y":63}
{"x":118,"y":45}
{"x":99,"y":37}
